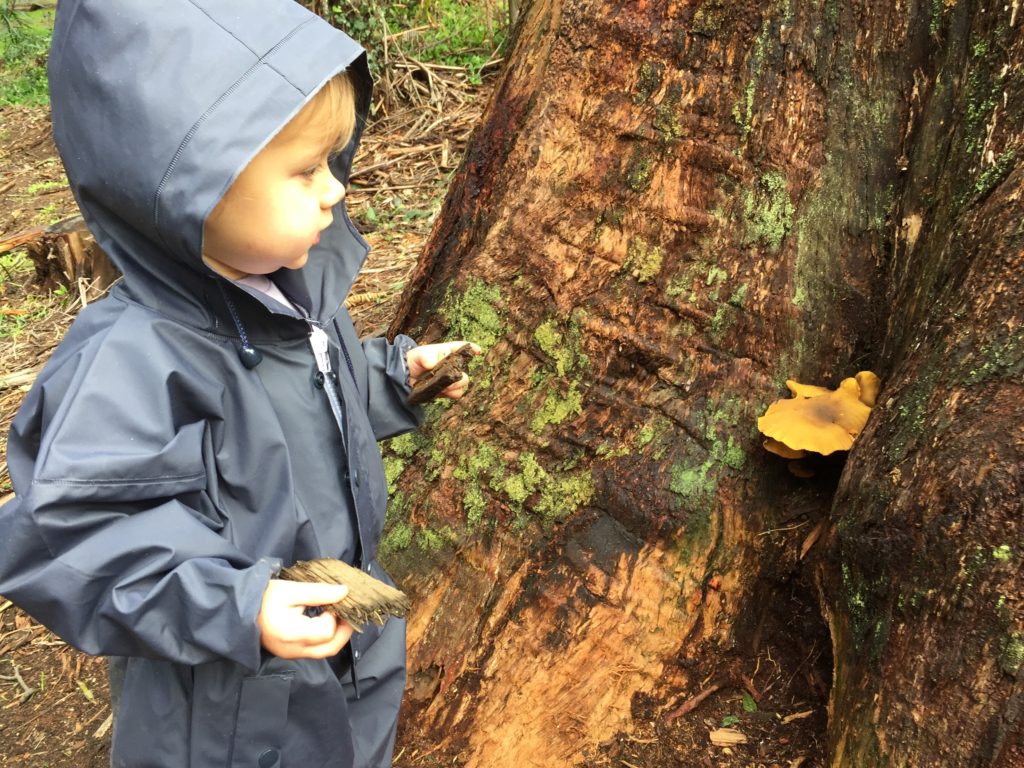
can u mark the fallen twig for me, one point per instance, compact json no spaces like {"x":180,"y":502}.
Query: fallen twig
{"x":692,"y":704}
{"x":26,"y":691}
{"x":20,"y":378}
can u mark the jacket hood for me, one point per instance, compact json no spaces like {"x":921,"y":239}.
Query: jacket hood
{"x":157,"y":107}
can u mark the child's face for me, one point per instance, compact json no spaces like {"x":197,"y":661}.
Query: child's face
{"x":274,"y":211}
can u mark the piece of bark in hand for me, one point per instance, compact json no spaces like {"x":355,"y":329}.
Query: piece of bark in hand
{"x":368,"y":599}
{"x":441,"y":376}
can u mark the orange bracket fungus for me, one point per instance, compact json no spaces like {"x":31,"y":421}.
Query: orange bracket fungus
{"x":819,"y":420}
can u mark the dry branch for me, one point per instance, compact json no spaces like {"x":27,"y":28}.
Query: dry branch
{"x":691,"y":704}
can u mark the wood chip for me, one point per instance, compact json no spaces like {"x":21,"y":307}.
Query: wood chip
{"x":104,"y":727}
{"x":727,"y":737}
{"x":443,"y":375}
{"x":812,"y":538}
{"x":368,"y":599}
{"x":797,"y":716}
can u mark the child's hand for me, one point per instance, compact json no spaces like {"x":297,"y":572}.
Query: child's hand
{"x":288,"y":633}
{"x":424,"y":358}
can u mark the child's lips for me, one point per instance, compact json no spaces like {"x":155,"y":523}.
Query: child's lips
{"x":316,"y":239}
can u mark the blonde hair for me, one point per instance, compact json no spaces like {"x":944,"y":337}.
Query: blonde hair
{"x":333,"y":109}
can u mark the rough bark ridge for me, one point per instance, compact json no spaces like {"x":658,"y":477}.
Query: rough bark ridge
{"x":668,"y":210}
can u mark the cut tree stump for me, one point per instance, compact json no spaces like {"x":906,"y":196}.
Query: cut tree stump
{"x":65,"y":254}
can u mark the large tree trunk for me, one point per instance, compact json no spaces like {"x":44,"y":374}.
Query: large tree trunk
{"x":923,"y":578}
{"x":668,"y":210}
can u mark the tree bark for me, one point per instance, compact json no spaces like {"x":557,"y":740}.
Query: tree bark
{"x":922,"y":579}
{"x":668,"y":210}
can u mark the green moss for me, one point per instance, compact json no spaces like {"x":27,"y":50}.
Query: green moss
{"x":398,"y":533}
{"x":1001,"y":359}
{"x":743,"y":112}
{"x":474,"y":314}
{"x":557,"y":408}
{"x":396,"y":538}
{"x":939,"y":9}
{"x":739,"y":296}
{"x":988,"y":179}
{"x":1002,"y":553}
{"x":483,"y":467}
{"x":643,"y":260}
{"x":734,"y":455}
{"x":722,"y":320}
{"x":666,"y":115}
{"x":565,"y":348}
{"x":709,"y":18}
{"x":430,"y":540}
{"x":639,"y":170}
{"x":612,"y":450}
{"x":678,"y":286}
{"x":563,"y":494}
{"x":393,"y":469}
{"x":559,"y":492}
{"x":644,"y":436}
{"x":404,"y":445}
{"x":696,"y":485}
{"x":768,"y":211}
{"x":1011,"y":656}
{"x":474,"y":504}
{"x":715,"y":275}
{"x":648,"y":81}
{"x":435,"y":461}
{"x":516,"y":489}
{"x":983,"y":93}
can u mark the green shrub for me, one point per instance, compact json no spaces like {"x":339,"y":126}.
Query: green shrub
{"x":24,"y":44}
{"x":458,"y":33}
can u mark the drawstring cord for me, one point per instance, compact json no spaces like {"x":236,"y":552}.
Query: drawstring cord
{"x":247,"y":353}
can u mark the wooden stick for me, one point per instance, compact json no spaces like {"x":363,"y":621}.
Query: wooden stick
{"x":368,"y":599}
{"x":692,"y":704}
{"x":441,"y":376}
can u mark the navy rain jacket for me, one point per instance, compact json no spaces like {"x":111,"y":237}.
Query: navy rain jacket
{"x":160,"y":483}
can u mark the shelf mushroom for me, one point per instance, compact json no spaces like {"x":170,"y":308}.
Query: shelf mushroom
{"x":817,"y":419}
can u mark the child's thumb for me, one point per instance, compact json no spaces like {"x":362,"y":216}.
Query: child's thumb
{"x":323,"y":594}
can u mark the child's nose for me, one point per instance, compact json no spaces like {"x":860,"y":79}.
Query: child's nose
{"x":332,"y":193}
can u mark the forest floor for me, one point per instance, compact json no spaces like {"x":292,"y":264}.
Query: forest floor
{"x":54,"y":701}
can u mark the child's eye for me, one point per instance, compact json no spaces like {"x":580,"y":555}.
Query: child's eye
{"x":313,"y":170}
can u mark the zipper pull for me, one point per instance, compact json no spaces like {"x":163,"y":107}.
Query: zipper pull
{"x":319,"y":343}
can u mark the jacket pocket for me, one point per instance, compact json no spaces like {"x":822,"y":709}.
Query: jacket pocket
{"x":261,"y":722}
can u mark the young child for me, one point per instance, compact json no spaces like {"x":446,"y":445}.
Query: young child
{"x":215,"y":418}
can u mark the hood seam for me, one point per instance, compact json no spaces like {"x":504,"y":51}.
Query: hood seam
{"x":211,"y":110}
{"x":205,"y":13}
{"x":229,"y":336}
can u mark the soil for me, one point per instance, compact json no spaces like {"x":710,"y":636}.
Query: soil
{"x":55,"y":700}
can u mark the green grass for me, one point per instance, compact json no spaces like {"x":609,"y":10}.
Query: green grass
{"x":459,"y":33}
{"x":24,"y":44}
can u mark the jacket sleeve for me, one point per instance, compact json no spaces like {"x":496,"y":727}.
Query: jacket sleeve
{"x":105,"y":542}
{"x":388,"y":375}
